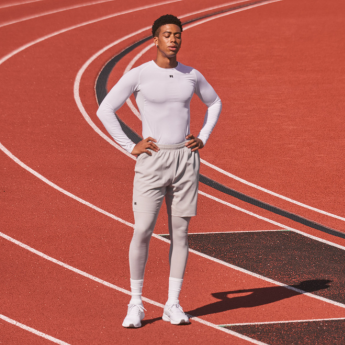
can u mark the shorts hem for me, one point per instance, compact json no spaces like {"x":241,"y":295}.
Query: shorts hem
{"x":140,"y":211}
{"x":182,"y":215}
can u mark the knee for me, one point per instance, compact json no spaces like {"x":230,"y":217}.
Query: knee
{"x":180,"y":238}
{"x":141,"y":234}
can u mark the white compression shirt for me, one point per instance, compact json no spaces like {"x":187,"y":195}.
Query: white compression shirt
{"x":163,"y":97}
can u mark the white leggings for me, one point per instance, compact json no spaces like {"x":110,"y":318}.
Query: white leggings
{"x":139,"y":248}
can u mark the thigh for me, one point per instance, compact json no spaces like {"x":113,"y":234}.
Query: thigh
{"x":148,"y":186}
{"x":182,"y":194}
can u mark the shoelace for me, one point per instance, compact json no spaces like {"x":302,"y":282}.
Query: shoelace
{"x":140,"y":308}
{"x":177,"y":306}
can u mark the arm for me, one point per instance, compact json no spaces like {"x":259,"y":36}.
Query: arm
{"x":114,"y":101}
{"x":209,"y":97}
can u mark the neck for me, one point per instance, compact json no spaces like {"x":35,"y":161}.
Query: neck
{"x":166,"y":62}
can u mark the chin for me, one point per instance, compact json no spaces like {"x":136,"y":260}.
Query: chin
{"x":171,"y":55}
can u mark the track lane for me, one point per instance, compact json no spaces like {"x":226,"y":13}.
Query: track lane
{"x":14,"y":335}
{"x":79,"y":149}
{"x":17,"y":3}
{"x":156,"y":270}
{"x":137,"y":114}
{"x":272,"y":33}
{"x":94,"y":118}
{"x":16,"y":35}
{"x":41,"y":13}
{"x":264,"y":80}
{"x":92,"y":316}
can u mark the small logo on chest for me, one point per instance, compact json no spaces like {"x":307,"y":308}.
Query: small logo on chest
{"x":171,"y":76}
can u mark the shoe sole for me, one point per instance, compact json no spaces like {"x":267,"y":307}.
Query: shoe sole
{"x":131,"y":326}
{"x":167,"y":319}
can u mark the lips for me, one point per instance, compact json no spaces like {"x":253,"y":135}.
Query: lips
{"x":172,"y":47}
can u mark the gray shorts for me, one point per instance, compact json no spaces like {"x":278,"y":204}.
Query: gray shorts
{"x":172,"y":172}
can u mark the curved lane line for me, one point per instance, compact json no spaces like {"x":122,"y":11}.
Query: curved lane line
{"x":43,"y":38}
{"x":113,"y":143}
{"x":137,"y":114}
{"x":18,"y":3}
{"x":32,"y":330}
{"x":117,"y":288}
{"x":278,"y":322}
{"x":7,"y":152}
{"x":35,"y":173}
{"x":55,"y":11}
{"x":14,"y":158}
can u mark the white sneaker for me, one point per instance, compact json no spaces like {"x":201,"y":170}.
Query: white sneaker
{"x":174,"y":313}
{"x":134,"y":316}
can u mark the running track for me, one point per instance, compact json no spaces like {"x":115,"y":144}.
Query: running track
{"x":279,"y":74}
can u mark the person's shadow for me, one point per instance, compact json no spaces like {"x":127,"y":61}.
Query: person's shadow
{"x":257,"y":297}
{"x":254,"y":298}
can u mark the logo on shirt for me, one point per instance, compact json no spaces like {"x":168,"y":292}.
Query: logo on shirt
{"x":171,"y":76}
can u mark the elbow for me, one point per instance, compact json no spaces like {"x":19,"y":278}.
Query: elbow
{"x":217,"y":105}
{"x":219,"y":102}
{"x":216,"y":102}
{"x":100,"y":113}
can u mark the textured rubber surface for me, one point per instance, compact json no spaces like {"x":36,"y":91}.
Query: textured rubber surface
{"x":280,"y":128}
{"x":301,"y":333}
{"x":284,"y":256}
{"x":101,"y":92}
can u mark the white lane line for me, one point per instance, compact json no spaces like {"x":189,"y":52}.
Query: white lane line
{"x":271,"y":221}
{"x":229,"y":232}
{"x":137,"y":114}
{"x":43,"y":38}
{"x":18,"y":3}
{"x":76,"y":88}
{"x":118,"y":147}
{"x":23,"y":19}
{"x":88,"y":119}
{"x":19,"y":162}
{"x":270,"y":192}
{"x":275,"y":322}
{"x":7,"y":152}
{"x":45,"y":180}
{"x":94,"y":57}
{"x":32,"y":330}
{"x":269,"y":280}
{"x":117,"y":288}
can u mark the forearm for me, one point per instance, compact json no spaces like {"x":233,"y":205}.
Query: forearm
{"x":106,"y":113}
{"x":211,"y":118}
{"x":113,"y":102}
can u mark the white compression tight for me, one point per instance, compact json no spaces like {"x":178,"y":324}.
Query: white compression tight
{"x":139,"y":248}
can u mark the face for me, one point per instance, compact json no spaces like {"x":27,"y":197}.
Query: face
{"x":168,"y":40}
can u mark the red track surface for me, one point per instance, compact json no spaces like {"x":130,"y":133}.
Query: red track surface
{"x":268,"y":59}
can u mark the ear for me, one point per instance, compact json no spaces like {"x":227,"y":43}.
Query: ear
{"x":155,"y":41}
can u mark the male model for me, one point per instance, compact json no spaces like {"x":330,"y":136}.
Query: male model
{"x":168,"y":158}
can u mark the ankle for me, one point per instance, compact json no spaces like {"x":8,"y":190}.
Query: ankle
{"x":136,"y":301}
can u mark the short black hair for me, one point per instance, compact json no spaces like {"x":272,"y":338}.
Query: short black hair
{"x":163,"y":20}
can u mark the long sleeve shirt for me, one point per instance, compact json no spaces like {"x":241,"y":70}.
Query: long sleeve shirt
{"x":163,"y":97}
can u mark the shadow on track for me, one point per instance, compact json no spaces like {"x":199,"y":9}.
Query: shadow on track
{"x":257,"y":297}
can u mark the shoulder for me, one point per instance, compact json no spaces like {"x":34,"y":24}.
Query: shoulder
{"x":133,"y":76}
{"x":192,"y":71}
{"x":186,"y":69}
{"x":136,"y":71}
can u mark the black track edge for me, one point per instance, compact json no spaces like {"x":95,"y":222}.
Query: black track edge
{"x":101,"y":92}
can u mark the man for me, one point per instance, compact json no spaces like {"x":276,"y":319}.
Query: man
{"x":168,"y":158}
